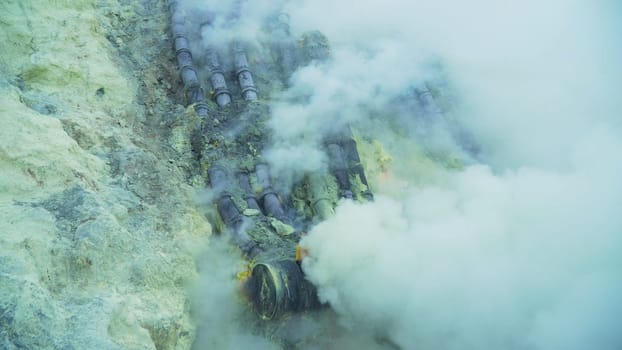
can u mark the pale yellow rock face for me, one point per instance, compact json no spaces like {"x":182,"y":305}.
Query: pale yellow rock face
{"x":37,"y":155}
{"x":59,"y":47}
{"x":98,"y":228}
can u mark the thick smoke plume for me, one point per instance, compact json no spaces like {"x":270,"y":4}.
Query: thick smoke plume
{"x":522,"y":251}
{"x":519,"y":247}
{"x":223,"y":319}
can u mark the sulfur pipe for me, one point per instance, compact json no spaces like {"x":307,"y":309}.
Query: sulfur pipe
{"x":189,"y":77}
{"x":242,"y":71}
{"x":283,"y":44}
{"x":339,"y":168}
{"x":288,"y":47}
{"x":249,"y":197}
{"x":353,"y":162}
{"x":270,"y":200}
{"x":222,"y":95}
{"x":229,"y":212}
{"x":319,"y":195}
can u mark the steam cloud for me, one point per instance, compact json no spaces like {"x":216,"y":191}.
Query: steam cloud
{"x":518,"y":250}
{"x":523,"y":251}
{"x":224,"y":323}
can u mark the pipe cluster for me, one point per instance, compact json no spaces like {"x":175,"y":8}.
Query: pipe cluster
{"x":188,"y":72}
{"x":345,"y":164}
{"x":269,"y":206}
{"x":246,"y":199}
{"x":277,"y":285}
{"x":230,"y":213}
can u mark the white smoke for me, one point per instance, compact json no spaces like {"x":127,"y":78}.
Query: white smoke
{"x":526,"y":259}
{"x":524,"y":251}
{"x":519,"y":252}
{"x":229,"y":21}
{"x":219,"y":308}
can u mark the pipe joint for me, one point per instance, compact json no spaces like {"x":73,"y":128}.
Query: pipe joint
{"x":188,"y":68}
{"x":201,"y":109}
{"x":249,"y":94}
{"x":222,"y":91}
{"x":242,"y":70}
{"x":268,"y":191}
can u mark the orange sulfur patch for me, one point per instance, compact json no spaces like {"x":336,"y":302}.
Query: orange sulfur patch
{"x":301,"y":253}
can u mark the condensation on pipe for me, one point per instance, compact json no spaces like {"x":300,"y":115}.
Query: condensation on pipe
{"x":243,"y":72}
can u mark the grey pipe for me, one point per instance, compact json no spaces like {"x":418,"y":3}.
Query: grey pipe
{"x":242,"y":71}
{"x":226,"y":207}
{"x":189,"y":77}
{"x":287,"y":48}
{"x":249,"y":196}
{"x":321,"y":202}
{"x":236,"y":11}
{"x":288,"y":60}
{"x":283,"y":44}
{"x":229,"y":212}
{"x":217,"y":78}
{"x":353,"y":161}
{"x":339,"y":168}
{"x":270,"y":200}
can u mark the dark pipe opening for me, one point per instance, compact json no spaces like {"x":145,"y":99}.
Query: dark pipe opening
{"x":279,"y":287}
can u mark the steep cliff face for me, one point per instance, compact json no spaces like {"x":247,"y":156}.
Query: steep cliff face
{"x":495,"y":222}
{"x":98,"y":226}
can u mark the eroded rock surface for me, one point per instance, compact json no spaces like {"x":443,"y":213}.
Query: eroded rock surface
{"x":98,"y":225}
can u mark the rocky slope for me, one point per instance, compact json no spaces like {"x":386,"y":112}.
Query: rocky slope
{"x":98,"y":224}
{"x":100,"y":228}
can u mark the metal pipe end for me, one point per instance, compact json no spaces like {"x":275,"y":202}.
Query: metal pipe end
{"x":279,"y":287}
{"x":266,"y":290}
{"x":187,"y":51}
{"x":223,"y":98}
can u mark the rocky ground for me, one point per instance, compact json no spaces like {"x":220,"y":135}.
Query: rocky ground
{"x":99,"y":228}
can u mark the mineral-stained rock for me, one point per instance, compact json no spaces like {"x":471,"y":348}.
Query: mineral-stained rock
{"x":98,"y":225}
